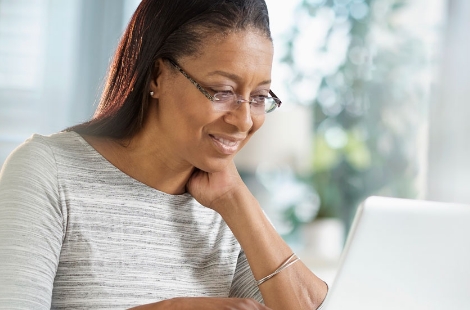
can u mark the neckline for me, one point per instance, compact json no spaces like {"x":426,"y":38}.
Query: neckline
{"x":97,"y":154}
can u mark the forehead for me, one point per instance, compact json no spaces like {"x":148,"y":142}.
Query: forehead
{"x":237,"y":52}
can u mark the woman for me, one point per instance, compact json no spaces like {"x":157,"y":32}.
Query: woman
{"x":142,"y":206}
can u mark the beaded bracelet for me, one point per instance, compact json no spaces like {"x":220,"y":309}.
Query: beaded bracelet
{"x":289,"y":262}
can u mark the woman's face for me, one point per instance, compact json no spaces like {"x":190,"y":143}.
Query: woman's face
{"x":189,"y":130}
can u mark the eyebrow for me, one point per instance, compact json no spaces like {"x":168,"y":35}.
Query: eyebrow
{"x":235,"y":77}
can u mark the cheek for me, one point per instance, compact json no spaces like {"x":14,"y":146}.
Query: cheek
{"x":197,"y":116}
{"x":183,"y":110}
{"x":190,"y":120}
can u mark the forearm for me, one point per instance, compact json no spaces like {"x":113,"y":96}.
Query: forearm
{"x":162,"y":305}
{"x":203,"y":303}
{"x":296,"y":287}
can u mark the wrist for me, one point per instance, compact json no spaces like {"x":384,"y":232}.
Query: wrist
{"x":236,"y":204}
{"x":245,"y":218}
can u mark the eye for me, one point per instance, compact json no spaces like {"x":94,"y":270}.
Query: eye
{"x":260,"y":99}
{"x":222,"y":93}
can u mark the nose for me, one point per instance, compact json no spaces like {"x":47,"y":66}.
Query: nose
{"x":240,"y":117}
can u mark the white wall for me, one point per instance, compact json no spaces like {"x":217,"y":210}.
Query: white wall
{"x":54,"y":55}
{"x":449,"y":144}
{"x":37,"y":56}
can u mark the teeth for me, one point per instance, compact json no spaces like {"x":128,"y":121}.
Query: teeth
{"x":226,"y":142}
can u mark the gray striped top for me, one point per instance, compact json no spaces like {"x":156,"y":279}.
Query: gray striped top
{"x":77,"y":233}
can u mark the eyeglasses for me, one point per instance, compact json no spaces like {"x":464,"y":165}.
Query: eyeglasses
{"x":229,"y":101}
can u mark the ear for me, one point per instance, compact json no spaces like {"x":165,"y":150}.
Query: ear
{"x":155,"y":85}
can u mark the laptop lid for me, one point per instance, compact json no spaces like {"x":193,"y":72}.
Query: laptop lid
{"x":404,"y":254}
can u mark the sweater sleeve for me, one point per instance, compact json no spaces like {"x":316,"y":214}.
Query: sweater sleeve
{"x":244,"y":283}
{"x":31,"y":227}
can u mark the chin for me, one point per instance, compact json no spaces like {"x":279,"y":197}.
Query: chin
{"x":214,"y":165}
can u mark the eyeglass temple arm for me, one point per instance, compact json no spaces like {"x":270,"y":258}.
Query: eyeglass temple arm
{"x":204,"y":91}
{"x":274,"y":96}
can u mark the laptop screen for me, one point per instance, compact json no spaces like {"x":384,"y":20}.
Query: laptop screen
{"x":404,"y":254}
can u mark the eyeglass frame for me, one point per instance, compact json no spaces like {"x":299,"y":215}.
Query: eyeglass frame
{"x":208,"y":95}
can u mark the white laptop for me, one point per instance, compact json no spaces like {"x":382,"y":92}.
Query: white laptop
{"x":404,"y":254}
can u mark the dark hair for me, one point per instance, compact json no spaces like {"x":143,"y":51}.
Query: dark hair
{"x":166,"y":29}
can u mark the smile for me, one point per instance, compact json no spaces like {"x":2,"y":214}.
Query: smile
{"x":226,"y":146}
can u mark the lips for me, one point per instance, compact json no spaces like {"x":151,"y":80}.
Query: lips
{"x":226,"y":145}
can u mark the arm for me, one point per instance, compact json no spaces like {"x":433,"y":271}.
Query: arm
{"x":30,"y":228}
{"x":296,"y":287}
{"x":204,"y":303}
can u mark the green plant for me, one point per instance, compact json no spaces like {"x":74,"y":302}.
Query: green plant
{"x":369,"y":104}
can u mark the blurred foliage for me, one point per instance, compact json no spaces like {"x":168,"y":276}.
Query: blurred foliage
{"x":368,"y":108}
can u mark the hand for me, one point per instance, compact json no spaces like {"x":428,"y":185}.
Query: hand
{"x":205,"y":303}
{"x":212,"y":189}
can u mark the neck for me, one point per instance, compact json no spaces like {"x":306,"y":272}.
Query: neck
{"x":143,"y":160}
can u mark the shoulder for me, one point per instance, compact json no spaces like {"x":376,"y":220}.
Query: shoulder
{"x":37,"y":155}
{"x":39,"y":147}
{"x":33,"y":150}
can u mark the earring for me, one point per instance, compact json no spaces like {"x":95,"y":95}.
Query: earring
{"x":151,"y":93}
